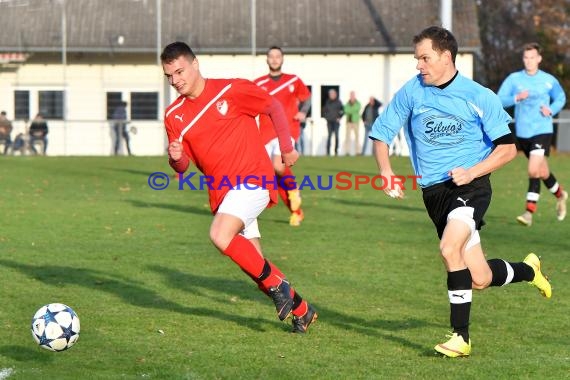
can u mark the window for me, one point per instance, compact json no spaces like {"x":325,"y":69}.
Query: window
{"x":21,"y":105}
{"x":113,"y":100}
{"x":50,"y":104}
{"x":144,"y":105}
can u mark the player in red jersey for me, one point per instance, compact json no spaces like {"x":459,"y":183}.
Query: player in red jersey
{"x":295,"y":97}
{"x":212,"y":124}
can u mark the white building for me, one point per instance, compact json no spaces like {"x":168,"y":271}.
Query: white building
{"x":73,"y":60}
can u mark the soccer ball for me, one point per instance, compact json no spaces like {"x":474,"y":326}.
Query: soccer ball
{"x":55,"y":327}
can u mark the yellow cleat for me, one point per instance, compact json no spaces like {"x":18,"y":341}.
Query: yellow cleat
{"x":561,"y":206}
{"x":294,"y":199}
{"x":455,"y":347}
{"x":540,"y":281}
{"x":296,"y":218}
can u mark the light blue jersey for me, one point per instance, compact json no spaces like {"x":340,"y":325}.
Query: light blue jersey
{"x":445,"y":128}
{"x":542,"y":89}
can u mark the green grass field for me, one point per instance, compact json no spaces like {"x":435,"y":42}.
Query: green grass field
{"x":157,"y":301}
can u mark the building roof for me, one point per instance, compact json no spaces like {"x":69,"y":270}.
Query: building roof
{"x":225,"y":26}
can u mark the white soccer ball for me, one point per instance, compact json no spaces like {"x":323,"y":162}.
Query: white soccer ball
{"x":55,"y":327}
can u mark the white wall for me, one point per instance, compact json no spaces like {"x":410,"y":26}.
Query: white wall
{"x":85,"y":131}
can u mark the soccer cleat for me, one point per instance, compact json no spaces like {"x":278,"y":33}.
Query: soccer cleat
{"x":525,"y":219}
{"x":454,"y":347}
{"x":540,"y":281}
{"x":296,"y":218}
{"x":294,"y":199}
{"x":281,"y":296}
{"x":561,"y":206}
{"x":301,"y":324}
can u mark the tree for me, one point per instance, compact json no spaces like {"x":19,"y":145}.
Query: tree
{"x":506,"y":25}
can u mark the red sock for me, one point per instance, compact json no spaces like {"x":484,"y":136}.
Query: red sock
{"x":558,"y":193}
{"x":286,"y":182}
{"x":245,"y":255}
{"x":273,"y":278}
{"x":531,"y":206}
{"x":300,"y":306}
{"x":289,"y":179}
{"x":301,"y":309}
{"x":284,"y":195}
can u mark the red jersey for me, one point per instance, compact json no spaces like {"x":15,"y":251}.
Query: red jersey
{"x":290,"y":91}
{"x":219,"y":134}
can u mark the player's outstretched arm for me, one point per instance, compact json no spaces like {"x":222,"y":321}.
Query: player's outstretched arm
{"x":382,"y":155}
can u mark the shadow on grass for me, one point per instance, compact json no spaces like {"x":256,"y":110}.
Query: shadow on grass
{"x":136,"y":294}
{"x":379,"y":328}
{"x":171,"y":206}
{"x":386,"y":329}
{"x":131,"y":292}
{"x":23,"y":354}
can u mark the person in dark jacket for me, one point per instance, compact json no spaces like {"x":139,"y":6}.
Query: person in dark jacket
{"x":369,"y":115}
{"x":38,"y":132}
{"x":332,"y":112}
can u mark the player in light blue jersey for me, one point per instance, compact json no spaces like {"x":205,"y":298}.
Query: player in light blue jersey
{"x":458,"y":133}
{"x":537,"y":96}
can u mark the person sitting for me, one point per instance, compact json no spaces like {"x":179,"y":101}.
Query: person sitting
{"x":19,"y":144}
{"x":5,"y":131}
{"x":38,"y":132}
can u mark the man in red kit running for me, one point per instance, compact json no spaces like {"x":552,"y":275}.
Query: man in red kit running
{"x":212,"y":124}
{"x":296,"y":99}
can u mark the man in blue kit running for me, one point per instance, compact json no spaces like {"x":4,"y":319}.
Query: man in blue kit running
{"x":537,"y":96}
{"x":458,"y":134}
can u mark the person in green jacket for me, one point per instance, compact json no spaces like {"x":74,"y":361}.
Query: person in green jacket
{"x":352,"y":112}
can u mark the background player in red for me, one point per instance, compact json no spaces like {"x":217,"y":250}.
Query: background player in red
{"x":212,"y":123}
{"x":295,"y":97}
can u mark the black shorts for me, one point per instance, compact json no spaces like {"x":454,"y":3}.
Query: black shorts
{"x":536,"y":142}
{"x":442,"y":198}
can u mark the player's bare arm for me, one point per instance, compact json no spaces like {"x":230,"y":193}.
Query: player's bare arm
{"x":501,"y":155}
{"x":382,"y":155}
{"x":290,"y":158}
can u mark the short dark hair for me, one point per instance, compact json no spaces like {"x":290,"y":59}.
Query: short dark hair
{"x":175,"y":50}
{"x":274,"y":47}
{"x":441,"y":40}
{"x":3,"y":113}
{"x":532,"y":46}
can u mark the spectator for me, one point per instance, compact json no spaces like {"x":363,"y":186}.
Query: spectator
{"x":38,"y":132}
{"x":5,"y":131}
{"x":332,"y":112}
{"x":120,"y":127}
{"x":352,"y":112}
{"x":369,"y":115}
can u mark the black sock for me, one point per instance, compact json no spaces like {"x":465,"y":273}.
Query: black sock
{"x":265,"y":272}
{"x":550,"y":182}
{"x":553,"y":185}
{"x":505,"y":273}
{"x":459,"y":286}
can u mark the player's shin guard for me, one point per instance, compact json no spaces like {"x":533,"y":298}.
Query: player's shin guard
{"x":245,"y":255}
{"x":505,"y":273}
{"x":459,"y":285}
